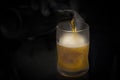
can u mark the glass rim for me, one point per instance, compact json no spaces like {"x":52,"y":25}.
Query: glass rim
{"x":80,"y":30}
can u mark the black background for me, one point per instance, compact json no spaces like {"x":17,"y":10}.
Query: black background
{"x":31,"y":54}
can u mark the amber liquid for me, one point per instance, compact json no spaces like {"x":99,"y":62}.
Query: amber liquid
{"x":72,"y":23}
{"x":73,"y":61}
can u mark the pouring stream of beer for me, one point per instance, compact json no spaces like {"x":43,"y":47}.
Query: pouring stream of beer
{"x":72,"y":23}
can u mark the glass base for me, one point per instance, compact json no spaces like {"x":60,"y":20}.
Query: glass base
{"x":72,"y":74}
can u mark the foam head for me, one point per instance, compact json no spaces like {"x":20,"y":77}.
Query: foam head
{"x":72,"y":40}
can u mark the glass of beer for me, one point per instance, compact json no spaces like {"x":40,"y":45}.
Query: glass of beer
{"x":72,"y":48}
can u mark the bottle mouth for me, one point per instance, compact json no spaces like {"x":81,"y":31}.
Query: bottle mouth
{"x":64,"y":15}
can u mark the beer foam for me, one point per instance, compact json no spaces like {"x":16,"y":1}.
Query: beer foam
{"x":72,"y":40}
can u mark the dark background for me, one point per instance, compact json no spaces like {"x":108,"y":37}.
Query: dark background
{"x":28,"y":44}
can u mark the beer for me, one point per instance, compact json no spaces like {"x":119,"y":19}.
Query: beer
{"x":72,"y":54}
{"x":72,"y":23}
{"x":72,"y":49}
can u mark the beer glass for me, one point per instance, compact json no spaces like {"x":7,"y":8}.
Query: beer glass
{"x":72,"y":49}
